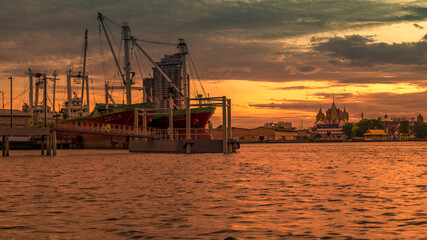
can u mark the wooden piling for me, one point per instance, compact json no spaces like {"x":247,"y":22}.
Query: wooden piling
{"x":229,"y":133}
{"x":171,"y":118}
{"x":3,"y":143}
{"x":7,"y":145}
{"x":54,"y":143}
{"x":49,"y":145}
{"x":42,"y":145}
{"x":224,"y":125}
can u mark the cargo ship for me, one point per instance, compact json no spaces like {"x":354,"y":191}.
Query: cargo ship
{"x":168,"y":82}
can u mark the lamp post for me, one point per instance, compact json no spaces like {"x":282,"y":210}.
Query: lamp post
{"x":11,"y":116}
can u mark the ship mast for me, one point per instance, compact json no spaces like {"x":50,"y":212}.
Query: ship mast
{"x":84,"y":77}
{"x":107,"y":94}
{"x":182,"y":46}
{"x":126,"y":77}
{"x":128,"y":80}
{"x":184,"y":51}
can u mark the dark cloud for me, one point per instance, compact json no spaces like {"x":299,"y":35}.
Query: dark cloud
{"x":299,"y":88}
{"x":227,"y":39}
{"x":282,"y":18}
{"x":303,"y":105}
{"x":338,"y":96}
{"x":373,"y":80}
{"x":362,"y":51}
{"x":50,"y":26}
{"x":306,"y":69}
{"x":373,"y":105}
{"x":418,"y":26}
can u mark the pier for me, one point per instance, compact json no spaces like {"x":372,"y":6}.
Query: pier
{"x":48,"y":138}
{"x":141,"y":138}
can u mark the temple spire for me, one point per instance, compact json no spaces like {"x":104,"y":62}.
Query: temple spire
{"x":333,"y":102}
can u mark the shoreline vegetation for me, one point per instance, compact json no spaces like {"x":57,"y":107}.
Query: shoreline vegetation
{"x":331,"y":141}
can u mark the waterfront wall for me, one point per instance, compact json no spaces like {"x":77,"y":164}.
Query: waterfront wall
{"x":257,"y":134}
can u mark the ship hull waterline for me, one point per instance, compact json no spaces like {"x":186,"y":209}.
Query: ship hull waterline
{"x":199,"y":120}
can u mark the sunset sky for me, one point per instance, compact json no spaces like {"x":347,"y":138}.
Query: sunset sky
{"x":278,"y":60}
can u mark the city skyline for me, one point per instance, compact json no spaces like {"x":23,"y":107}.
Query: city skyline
{"x":276,"y":60}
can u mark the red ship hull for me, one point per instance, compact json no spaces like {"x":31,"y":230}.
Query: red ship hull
{"x":82,"y":140}
{"x":199,"y":120}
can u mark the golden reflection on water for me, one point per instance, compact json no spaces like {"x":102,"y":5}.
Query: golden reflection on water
{"x":265,"y":191}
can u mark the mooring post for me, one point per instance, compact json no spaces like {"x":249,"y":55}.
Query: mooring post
{"x":224,"y":125}
{"x":49,"y":144}
{"x":170,"y":118}
{"x":7,"y":146}
{"x":229,"y":132}
{"x":188,"y":125}
{"x":3,"y":143}
{"x":42,"y":144}
{"x":54,"y":142}
{"x":135,"y":120}
{"x":144,"y":123}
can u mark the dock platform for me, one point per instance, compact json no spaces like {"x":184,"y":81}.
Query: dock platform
{"x":180,"y":146}
{"x":48,"y":138}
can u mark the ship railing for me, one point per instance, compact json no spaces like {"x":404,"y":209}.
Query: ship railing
{"x":157,"y":133}
{"x":196,"y":133}
{"x":114,"y":128}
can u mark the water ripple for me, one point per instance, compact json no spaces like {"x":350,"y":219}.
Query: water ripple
{"x":266,"y":191}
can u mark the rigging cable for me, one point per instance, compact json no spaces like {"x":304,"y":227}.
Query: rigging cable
{"x":93,"y":91}
{"x":155,"y":42}
{"x":194,"y":82}
{"x":140,"y":71}
{"x":22,"y":95}
{"x":197,"y":74}
{"x":104,"y":64}
{"x":112,"y":22}
{"x":81,"y":59}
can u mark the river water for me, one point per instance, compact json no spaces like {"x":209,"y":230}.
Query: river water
{"x":265,"y":191}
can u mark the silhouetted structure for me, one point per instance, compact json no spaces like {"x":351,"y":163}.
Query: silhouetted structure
{"x":329,"y":125}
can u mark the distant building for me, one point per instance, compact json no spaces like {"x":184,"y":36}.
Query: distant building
{"x":258,"y":134}
{"x":392,"y":124}
{"x":420,"y":118}
{"x":333,"y":115}
{"x":279,"y":125}
{"x":158,"y":89}
{"x":376,"y":135}
{"x":329,"y":125}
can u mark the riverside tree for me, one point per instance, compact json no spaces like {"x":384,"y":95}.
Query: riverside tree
{"x":404,"y":127}
{"x":420,"y":129}
{"x":362,"y":127}
{"x":347,"y":129}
